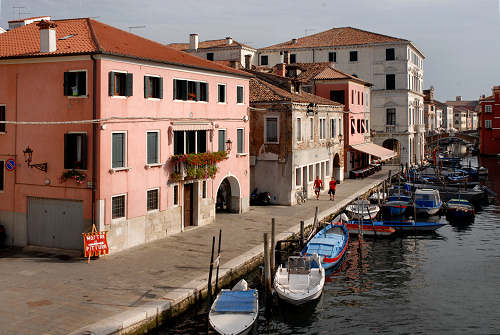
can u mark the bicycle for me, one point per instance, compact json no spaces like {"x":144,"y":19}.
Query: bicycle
{"x":300,"y":196}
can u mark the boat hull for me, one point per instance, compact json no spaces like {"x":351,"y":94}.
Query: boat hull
{"x":410,"y":226}
{"x":233,"y":323}
{"x":298,"y":296}
{"x":332,"y":260}
{"x":396,"y":208}
{"x":427,"y":210}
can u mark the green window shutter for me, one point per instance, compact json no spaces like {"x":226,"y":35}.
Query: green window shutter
{"x":160,"y":88}
{"x":130,"y":85}
{"x":152,"y":145}
{"x":111,"y":83}
{"x":175,"y":89}
{"x":82,"y":83}
{"x":84,"y":152}
{"x":146,"y":87}
{"x":67,"y":89}
{"x":222,"y":140}
{"x":118,"y":151}
{"x":198,"y":91}
{"x":241,"y":141}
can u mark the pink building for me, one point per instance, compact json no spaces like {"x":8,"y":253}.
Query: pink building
{"x":104,"y":112}
{"x":354,"y":94}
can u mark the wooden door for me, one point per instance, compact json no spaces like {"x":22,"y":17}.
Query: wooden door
{"x":188,"y":205}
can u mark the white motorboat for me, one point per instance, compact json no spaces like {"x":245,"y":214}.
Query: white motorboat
{"x":427,"y":201}
{"x":377,"y":197}
{"x":235,"y":311}
{"x":362,"y":209}
{"x":301,"y":281}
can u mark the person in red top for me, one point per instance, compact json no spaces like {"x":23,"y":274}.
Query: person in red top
{"x":318,"y":185}
{"x":333,"y":186}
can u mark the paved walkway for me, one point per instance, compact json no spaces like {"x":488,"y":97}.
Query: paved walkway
{"x":44,"y":294}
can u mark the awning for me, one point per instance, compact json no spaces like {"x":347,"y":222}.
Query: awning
{"x":375,"y":150}
{"x":186,"y":125}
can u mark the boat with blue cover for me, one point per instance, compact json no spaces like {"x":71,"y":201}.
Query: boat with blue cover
{"x":235,"y":311}
{"x":427,"y":201}
{"x":397,"y":204}
{"x":460,"y":211}
{"x":330,"y":244}
{"x":407,"y":225}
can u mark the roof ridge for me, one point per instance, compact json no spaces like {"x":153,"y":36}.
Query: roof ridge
{"x":273,"y":88}
{"x":94,"y":37}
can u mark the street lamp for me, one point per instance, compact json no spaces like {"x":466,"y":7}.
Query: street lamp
{"x":28,"y":155}
{"x":229,"y":145}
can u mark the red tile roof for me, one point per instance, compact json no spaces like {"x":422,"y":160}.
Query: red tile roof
{"x":336,"y":37}
{"x":262,"y":91}
{"x":210,"y":44}
{"x":94,"y":37}
{"x":332,"y":74}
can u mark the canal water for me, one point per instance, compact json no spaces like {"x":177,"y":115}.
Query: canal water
{"x":444,"y":283}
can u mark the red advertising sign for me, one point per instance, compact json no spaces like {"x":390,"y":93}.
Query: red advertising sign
{"x":95,"y":243}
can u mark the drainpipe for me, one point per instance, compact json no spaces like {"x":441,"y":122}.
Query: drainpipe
{"x":94,"y":137}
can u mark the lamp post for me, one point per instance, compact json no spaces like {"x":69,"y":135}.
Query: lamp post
{"x":229,"y":145}
{"x":28,"y":156}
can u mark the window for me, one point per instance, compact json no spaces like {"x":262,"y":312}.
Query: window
{"x":118,"y":204}
{"x":75,"y":151}
{"x":317,"y":170}
{"x":390,"y":116}
{"x":222,"y":93}
{"x":358,"y":126}
{"x":2,"y":175}
{"x":75,"y":83}
{"x":293,"y":58}
{"x":359,"y":100}
{"x":353,"y":56}
{"x":240,"y":138}
{"x":353,"y":126}
{"x":176,"y":195}
{"x":333,"y":128}
{"x":264,"y":60}
{"x":311,"y":130}
{"x":322,"y":129}
{"x":341,"y":130}
{"x":153,"y":87}
{"x":190,"y":90}
{"x":298,"y":130}
{"x":210,"y":56}
{"x":2,"y":118}
{"x":152,"y":200}
{"x":298,"y":176}
{"x":332,"y":56}
{"x":487,"y":123}
{"x":152,"y":147}
{"x":390,"y":54}
{"x":120,"y":84}
{"x":222,"y":139}
{"x":188,"y":142}
{"x":271,"y":130}
{"x":327,"y":168}
{"x":487,"y":108}
{"x":239,"y":95}
{"x":367,"y":122}
{"x":352,"y":97}
{"x":204,"y":189}
{"x":118,"y":150}
{"x":337,"y":96}
{"x":311,"y":173}
{"x":390,"y":82}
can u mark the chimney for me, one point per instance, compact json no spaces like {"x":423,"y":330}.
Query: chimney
{"x":248,"y":59}
{"x":47,"y":36}
{"x":294,"y":41}
{"x":281,"y":70}
{"x":234,"y":64}
{"x":193,"y":41}
{"x":459,"y":98}
{"x":229,"y":40}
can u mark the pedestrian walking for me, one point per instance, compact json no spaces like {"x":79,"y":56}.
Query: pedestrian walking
{"x":333,"y":186}
{"x":318,"y":185}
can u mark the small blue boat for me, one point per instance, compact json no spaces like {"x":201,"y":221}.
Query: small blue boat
{"x":397,"y":204}
{"x":427,"y":201}
{"x":460,"y":211}
{"x":409,"y":225}
{"x":330,"y":244}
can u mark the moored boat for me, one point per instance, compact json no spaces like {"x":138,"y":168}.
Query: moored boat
{"x":369,"y":228}
{"x":460,"y":211}
{"x":301,"y":281}
{"x":330,"y":244}
{"x":235,"y":311}
{"x":377,"y":197}
{"x":362,"y":209}
{"x":397,"y":204}
{"x":408,"y":225}
{"x":427,"y":201}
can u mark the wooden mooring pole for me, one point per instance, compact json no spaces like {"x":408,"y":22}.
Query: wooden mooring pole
{"x":273,"y":245}
{"x":301,"y":234}
{"x":217,"y":261}
{"x":210,"y":272}
{"x":267,"y":268}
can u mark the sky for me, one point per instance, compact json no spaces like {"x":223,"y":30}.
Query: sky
{"x":460,"y":38}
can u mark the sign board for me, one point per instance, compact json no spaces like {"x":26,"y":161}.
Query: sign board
{"x":10,"y":165}
{"x":95,"y":243}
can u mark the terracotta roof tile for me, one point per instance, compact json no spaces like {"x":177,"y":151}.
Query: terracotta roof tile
{"x":331,"y":74}
{"x":336,"y":37}
{"x":262,"y":91}
{"x":90,"y":36}
{"x":210,"y":44}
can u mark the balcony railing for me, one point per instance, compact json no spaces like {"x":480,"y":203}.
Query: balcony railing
{"x":390,"y":128}
{"x":196,"y":166}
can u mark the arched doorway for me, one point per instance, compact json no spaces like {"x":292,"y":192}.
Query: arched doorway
{"x":228,"y":196}
{"x":337,"y":169}
{"x":394,"y":145}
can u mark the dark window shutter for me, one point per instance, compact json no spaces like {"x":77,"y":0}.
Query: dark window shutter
{"x":175,"y":89}
{"x":82,"y":83}
{"x":146,"y":87}
{"x":66,"y":83}
{"x":84,"y":152}
{"x":198,"y":91}
{"x":111,"y":83}
{"x":118,"y":152}
{"x":130,"y":82}
{"x":160,"y":88}
{"x":67,"y":158}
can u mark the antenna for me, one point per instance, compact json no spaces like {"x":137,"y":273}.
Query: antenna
{"x":18,"y":10}
{"x":135,"y":27}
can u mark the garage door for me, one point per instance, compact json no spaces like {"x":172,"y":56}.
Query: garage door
{"x":55,"y":223}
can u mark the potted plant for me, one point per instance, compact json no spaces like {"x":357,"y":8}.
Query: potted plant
{"x":78,"y":176}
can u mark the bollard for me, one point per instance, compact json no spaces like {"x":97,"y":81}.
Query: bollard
{"x":273,"y":245}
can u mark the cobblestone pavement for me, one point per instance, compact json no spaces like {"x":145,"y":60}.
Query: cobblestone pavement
{"x":42,"y":293}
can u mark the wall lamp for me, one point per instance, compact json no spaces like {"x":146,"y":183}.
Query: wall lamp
{"x":28,"y":155}
{"x":229,"y":146}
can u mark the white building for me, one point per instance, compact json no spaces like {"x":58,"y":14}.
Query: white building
{"x":226,"y":50}
{"x":393,"y":65}
{"x":447,"y":115}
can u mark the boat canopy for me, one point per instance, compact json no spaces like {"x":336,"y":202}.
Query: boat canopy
{"x":236,"y":301}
